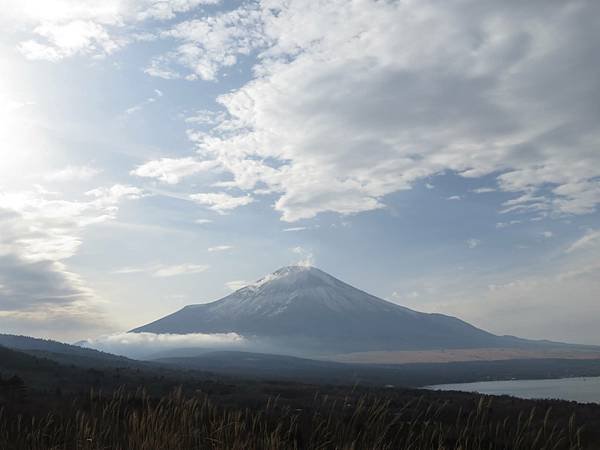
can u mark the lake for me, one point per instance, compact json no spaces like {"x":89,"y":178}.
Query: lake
{"x":583,"y":390}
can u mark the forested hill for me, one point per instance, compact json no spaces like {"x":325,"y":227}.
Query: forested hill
{"x":63,"y":353}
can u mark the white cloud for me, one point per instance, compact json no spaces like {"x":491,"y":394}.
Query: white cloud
{"x":221,"y":202}
{"x":109,"y":196}
{"x":34,"y":50}
{"x":207,"y":45}
{"x":73,"y":173}
{"x":220,"y":248}
{"x":173,"y":170}
{"x":547,"y":234}
{"x":158,"y":69}
{"x":490,"y":100}
{"x":65,"y":40}
{"x":168,"y":9}
{"x":472,"y":243}
{"x":306,"y":256}
{"x":202,"y":221}
{"x":591,"y":239}
{"x":38,"y":232}
{"x":139,"y":345}
{"x":64,"y":28}
{"x":454,"y":197}
{"x":47,"y":228}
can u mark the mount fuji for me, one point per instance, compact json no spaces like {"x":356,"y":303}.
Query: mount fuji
{"x":306,"y":309}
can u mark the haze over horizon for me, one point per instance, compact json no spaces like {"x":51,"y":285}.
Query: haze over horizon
{"x":444,"y":156}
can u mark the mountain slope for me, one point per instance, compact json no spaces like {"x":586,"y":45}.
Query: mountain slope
{"x":303,"y":307}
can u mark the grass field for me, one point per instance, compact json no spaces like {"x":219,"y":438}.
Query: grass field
{"x":355,"y":419}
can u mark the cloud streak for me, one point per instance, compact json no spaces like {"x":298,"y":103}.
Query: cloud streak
{"x":164,"y":271}
{"x":220,"y":248}
{"x":590,"y":240}
{"x":140,"y":345}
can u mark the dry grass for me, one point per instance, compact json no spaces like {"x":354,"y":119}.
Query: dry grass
{"x":134,"y":421}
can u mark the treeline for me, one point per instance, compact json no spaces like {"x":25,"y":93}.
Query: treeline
{"x":12,"y":384}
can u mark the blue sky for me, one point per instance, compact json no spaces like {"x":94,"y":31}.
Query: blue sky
{"x":441,"y":155}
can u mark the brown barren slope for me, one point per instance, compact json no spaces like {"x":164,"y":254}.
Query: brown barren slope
{"x":461,"y":355}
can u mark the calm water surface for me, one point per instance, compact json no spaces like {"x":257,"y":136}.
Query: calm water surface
{"x":583,"y":390}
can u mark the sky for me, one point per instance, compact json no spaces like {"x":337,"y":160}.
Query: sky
{"x":442,"y":155}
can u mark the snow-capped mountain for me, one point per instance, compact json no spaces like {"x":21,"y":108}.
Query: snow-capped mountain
{"x":305,"y":308}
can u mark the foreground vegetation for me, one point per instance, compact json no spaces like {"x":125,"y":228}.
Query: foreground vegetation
{"x":65,"y":401}
{"x":135,"y":420}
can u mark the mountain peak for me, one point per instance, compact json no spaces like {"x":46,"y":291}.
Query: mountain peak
{"x":306,"y":307}
{"x":294,"y":270}
{"x":293,"y":275}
